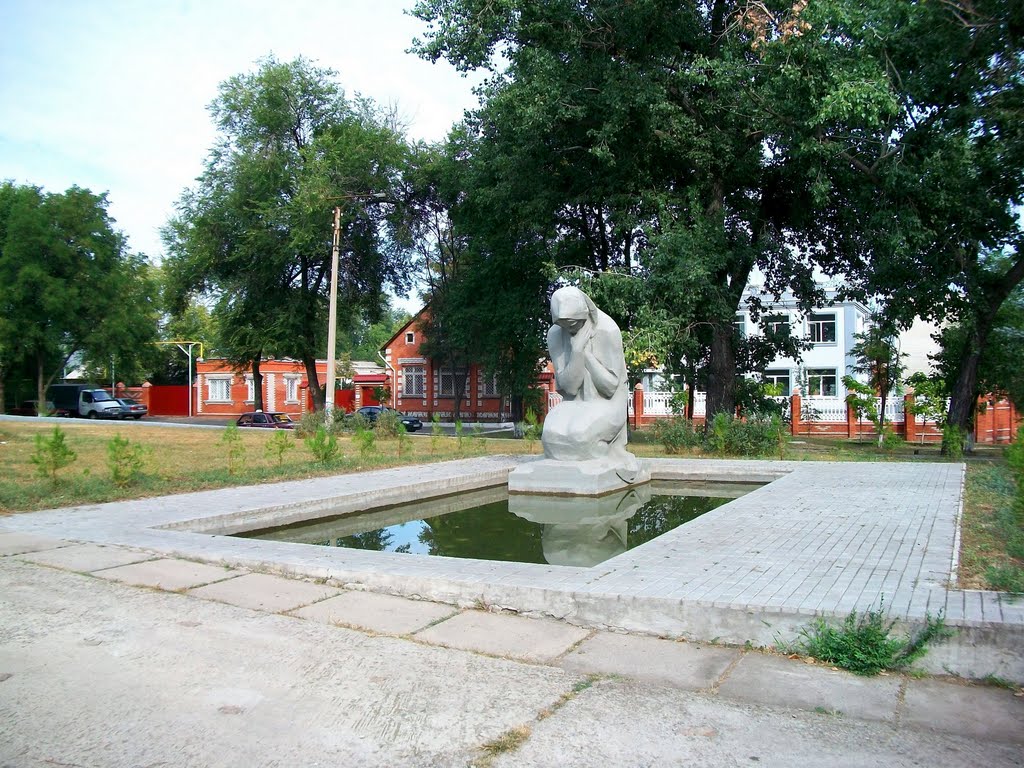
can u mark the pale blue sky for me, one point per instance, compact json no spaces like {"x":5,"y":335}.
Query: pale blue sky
{"x":111,"y":94}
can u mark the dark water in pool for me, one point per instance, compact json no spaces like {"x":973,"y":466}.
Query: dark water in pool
{"x":491,"y":525}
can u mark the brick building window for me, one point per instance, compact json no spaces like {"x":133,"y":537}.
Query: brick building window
{"x":218,"y":389}
{"x":291,"y":389}
{"x":449,"y":380}
{"x":414,"y":381}
{"x":822,"y":328}
{"x":489,"y":385}
{"x":250,"y":390}
{"x":410,"y":337}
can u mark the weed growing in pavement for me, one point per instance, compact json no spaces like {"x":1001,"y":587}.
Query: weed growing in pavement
{"x":863,"y":643}
{"x":52,"y":454}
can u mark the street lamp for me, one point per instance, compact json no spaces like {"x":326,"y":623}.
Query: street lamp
{"x":332,"y":319}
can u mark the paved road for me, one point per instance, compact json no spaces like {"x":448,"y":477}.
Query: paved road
{"x":114,"y":656}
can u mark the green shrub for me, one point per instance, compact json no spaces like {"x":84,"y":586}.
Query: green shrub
{"x":278,"y":445}
{"x":232,"y":438}
{"x":676,"y":434}
{"x":531,"y":428}
{"x":1005,"y":578}
{"x":436,"y":433}
{"x":890,"y":440}
{"x":310,"y":422}
{"x":863,"y":644}
{"x":323,"y":445}
{"x":389,"y":424}
{"x":52,"y":454}
{"x":125,"y":460}
{"x":364,"y":437}
{"x":953,"y":441}
{"x":755,"y":436}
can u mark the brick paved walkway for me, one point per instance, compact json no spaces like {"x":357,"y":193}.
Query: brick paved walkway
{"x":820,"y":539}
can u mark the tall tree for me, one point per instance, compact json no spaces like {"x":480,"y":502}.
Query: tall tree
{"x":256,"y":233}
{"x":68,"y":285}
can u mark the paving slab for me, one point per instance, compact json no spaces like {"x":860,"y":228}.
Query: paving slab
{"x":977,"y":711}
{"x":385,"y":614}
{"x":17,"y":543}
{"x":86,"y":558}
{"x":168,"y":574}
{"x":629,"y":723}
{"x":235,"y":688}
{"x":775,"y":681}
{"x":687,"y":665}
{"x":264,"y":592}
{"x":503,"y":635}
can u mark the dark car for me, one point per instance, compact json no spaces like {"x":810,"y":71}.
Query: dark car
{"x":371,"y":412}
{"x":266,"y":419}
{"x":30,"y":408}
{"x":132,"y":408}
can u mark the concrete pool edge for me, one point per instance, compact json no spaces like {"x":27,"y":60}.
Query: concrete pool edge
{"x":853,"y":533}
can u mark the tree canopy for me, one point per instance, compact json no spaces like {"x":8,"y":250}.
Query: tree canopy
{"x":255,"y":233}
{"x":68,"y":285}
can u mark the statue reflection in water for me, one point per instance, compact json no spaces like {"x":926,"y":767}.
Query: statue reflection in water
{"x":581,"y":530}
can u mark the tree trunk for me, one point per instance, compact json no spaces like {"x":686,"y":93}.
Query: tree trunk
{"x":257,"y":385}
{"x":721,"y":373}
{"x":963,"y":401}
{"x":319,"y":401}
{"x":883,"y":395}
{"x":40,"y":384}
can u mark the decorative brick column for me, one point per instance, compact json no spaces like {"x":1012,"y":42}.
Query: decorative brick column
{"x":638,"y":405}
{"x":795,"y":409}
{"x":851,"y":421}
{"x":909,"y":418}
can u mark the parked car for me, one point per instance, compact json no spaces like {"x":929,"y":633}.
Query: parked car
{"x":266,"y":419}
{"x":132,"y":408}
{"x":371,"y":412}
{"x":30,"y":408}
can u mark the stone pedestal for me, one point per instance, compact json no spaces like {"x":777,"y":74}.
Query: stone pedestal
{"x":594,"y":477}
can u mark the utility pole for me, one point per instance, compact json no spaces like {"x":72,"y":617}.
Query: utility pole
{"x":332,"y":321}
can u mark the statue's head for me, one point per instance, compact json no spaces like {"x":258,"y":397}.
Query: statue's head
{"x":571,"y":309}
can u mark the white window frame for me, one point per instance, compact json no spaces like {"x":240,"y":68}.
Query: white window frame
{"x":410,"y":337}
{"x":777,"y":375}
{"x":218,"y":385}
{"x":817,"y":324}
{"x":489,"y":385}
{"x":774,"y":319}
{"x":291,"y":389}
{"x":739,"y":322}
{"x":446,"y":382}
{"x":414,"y":375}
{"x":818,"y":379}
{"x":250,"y":388}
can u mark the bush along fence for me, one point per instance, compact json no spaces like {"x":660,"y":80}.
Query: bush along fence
{"x":996,"y":420}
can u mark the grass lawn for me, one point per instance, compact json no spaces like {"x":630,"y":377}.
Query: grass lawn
{"x":177,"y":460}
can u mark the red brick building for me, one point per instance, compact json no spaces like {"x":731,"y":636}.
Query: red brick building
{"x":423,"y":387}
{"x":223,"y":391}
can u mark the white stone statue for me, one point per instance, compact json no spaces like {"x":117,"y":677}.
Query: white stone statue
{"x":590,"y":374}
{"x":585,"y":435}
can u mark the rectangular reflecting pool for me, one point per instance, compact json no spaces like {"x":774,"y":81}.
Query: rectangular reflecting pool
{"x":491,"y":524}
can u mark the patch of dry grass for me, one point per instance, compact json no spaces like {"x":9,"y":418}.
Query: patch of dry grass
{"x":181,"y":459}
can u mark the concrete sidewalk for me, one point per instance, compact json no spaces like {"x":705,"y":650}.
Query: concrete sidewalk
{"x":117,"y":656}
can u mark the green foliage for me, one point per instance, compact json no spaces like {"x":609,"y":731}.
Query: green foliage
{"x":323,"y":445}
{"x":365,"y":438}
{"x":1005,"y":577}
{"x":125,"y":460}
{"x":954,"y":439}
{"x":389,"y":424}
{"x":460,"y":434}
{"x":436,"y":432}
{"x":728,"y":436}
{"x":68,"y":284}
{"x":51,"y":454}
{"x":232,"y":440}
{"x":677,"y":434}
{"x":278,"y":445}
{"x":929,"y":401}
{"x":863,"y":643}
{"x":531,"y":428}
{"x":256,"y":228}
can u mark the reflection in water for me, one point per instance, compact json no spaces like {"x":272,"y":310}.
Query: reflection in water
{"x":581,"y":530}
{"x":523,"y":528}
